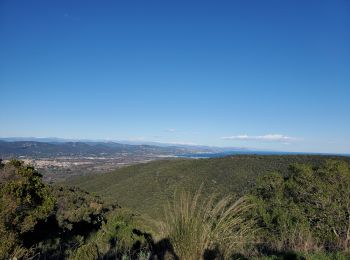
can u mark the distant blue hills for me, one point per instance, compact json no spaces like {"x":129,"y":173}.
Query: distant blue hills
{"x":53,"y":146}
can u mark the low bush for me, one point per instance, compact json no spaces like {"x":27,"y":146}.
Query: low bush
{"x":306,"y":211}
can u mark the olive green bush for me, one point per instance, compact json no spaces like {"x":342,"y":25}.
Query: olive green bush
{"x":45,"y":221}
{"x":24,"y":201}
{"x":306,"y":211}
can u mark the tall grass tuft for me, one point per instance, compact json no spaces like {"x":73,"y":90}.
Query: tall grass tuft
{"x":200,"y":228}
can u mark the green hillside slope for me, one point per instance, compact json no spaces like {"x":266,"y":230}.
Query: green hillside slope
{"x":146,"y":187}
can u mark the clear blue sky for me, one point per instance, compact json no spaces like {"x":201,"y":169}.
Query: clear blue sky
{"x":264,"y":74}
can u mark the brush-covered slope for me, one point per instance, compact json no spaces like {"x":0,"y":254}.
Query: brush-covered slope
{"x":146,"y":187}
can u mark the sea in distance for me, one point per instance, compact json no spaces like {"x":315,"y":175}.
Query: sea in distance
{"x":248,"y":152}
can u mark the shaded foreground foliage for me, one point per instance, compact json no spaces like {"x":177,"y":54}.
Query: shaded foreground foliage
{"x":300,"y":213}
{"x":41,"y":221}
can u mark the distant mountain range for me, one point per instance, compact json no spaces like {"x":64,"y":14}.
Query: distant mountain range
{"x":94,"y":149}
{"x":55,"y":147}
{"x":161,"y":144}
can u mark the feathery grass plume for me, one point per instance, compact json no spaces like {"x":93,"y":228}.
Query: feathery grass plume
{"x":200,"y":227}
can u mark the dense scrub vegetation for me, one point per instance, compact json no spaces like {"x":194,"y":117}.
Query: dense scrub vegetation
{"x":41,"y":221}
{"x":299,"y":211}
{"x":306,"y":211}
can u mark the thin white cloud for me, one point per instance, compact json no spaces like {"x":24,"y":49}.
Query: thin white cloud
{"x":137,"y":138}
{"x":268,"y":138}
{"x":176,"y":142}
{"x":171,"y":130}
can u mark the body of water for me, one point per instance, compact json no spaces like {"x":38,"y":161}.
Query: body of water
{"x":228,"y":153}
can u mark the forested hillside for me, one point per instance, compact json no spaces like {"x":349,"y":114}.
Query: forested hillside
{"x":240,"y":207}
{"x":146,"y":187}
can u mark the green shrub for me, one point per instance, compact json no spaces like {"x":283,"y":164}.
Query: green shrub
{"x":24,"y":201}
{"x":118,"y":237}
{"x":306,"y":211}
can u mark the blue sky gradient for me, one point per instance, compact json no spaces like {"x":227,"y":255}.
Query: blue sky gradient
{"x":264,"y":74}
